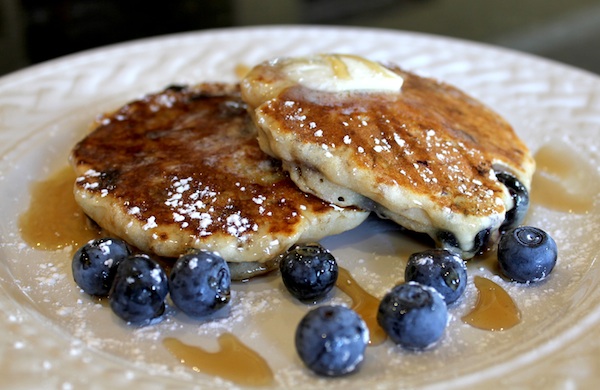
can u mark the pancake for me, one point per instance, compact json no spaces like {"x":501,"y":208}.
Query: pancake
{"x":182,"y":169}
{"x":412,"y":149}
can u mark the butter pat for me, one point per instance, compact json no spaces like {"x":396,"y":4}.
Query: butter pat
{"x":340,"y":73}
{"x":332,"y":73}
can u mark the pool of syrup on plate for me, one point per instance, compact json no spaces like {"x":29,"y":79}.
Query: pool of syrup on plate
{"x":233,"y":361}
{"x":562,"y":183}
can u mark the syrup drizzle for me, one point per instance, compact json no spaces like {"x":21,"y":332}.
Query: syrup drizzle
{"x":234,"y":361}
{"x":564,"y":181}
{"x":241,"y":70}
{"x":54,"y":220}
{"x":365,"y":304}
{"x":494,"y":310}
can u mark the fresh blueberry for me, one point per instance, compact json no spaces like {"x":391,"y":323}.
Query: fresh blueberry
{"x":480,"y":241}
{"x":94,"y":264}
{"x":331,"y":340}
{"x":448,"y":240}
{"x":308,"y":271}
{"x":200,"y":283}
{"x":413,"y":315}
{"x":139,"y":290}
{"x":440,"y":269}
{"x":527,"y":254}
{"x":520,"y":197}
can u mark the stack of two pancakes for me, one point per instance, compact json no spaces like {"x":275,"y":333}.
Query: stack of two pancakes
{"x":303,"y":148}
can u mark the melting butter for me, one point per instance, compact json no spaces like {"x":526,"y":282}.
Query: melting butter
{"x":341,"y":73}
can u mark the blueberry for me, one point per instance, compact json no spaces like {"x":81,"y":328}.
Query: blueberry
{"x":520,"y":197}
{"x":200,"y":283}
{"x":413,"y":315}
{"x":448,"y":240}
{"x":331,"y":340}
{"x":527,"y":254}
{"x":480,"y":241}
{"x":139,"y":290}
{"x":94,"y":264}
{"x":440,"y":269}
{"x":308,"y":271}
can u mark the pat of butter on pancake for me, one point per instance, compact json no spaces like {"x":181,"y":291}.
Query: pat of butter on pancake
{"x":341,"y":73}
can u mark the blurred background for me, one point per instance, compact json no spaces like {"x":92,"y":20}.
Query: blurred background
{"x":33,"y":31}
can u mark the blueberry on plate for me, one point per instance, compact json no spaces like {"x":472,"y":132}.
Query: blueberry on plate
{"x":441,"y":269}
{"x":139,"y":290}
{"x":331,"y":340}
{"x":413,"y":315}
{"x":200,"y":283}
{"x":527,"y":254}
{"x":94,"y":264}
{"x":308,"y":271}
{"x":520,"y":197}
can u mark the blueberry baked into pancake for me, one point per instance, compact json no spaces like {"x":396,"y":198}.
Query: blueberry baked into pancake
{"x":182,"y":169}
{"x":414,"y":150}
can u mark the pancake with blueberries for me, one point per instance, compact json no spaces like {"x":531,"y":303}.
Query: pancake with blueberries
{"x":414,"y":150}
{"x":182,"y":169}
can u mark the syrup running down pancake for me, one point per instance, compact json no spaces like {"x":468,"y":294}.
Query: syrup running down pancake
{"x":415,"y":150}
{"x":183,"y":169}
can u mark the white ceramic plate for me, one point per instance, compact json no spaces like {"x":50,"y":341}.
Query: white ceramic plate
{"x":52,"y":335}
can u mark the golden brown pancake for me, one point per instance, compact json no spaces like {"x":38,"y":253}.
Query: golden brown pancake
{"x":424,"y":155}
{"x":182,"y":169}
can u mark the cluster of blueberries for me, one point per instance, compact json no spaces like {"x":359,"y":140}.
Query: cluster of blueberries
{"x":330,"y":339}
{"x":137,"y":285}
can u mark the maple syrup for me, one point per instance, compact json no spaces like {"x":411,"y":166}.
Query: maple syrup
{"x":54,"y":220}
{"x":494,"y":310}
{"x":241,"y":70}
{"x":234,"y":361}
{"x":365,"y":304}
{"x":564,"y":181}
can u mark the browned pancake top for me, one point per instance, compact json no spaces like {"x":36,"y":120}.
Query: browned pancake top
{"x":187,"y":157}
{"x":431,"y":138}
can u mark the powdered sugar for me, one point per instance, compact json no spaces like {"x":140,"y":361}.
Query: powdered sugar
{"x":150,"y":223}
{"x":237,"y":225}
{"x":191,"y":202}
